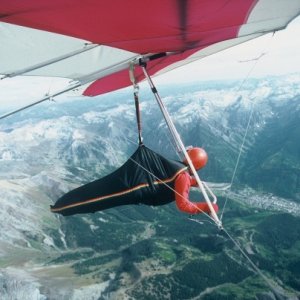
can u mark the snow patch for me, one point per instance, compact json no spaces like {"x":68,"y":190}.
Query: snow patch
{"x":91,"y":292}
{"x":18,"y":284}
{"x":7,"y":155}
{"x":102,"y":220}
{"x":63,"y":238}
{"x":77,"y":135}
{"x":49,"y":241}
{"x":94,"y":227}
{"x":92,"y":117}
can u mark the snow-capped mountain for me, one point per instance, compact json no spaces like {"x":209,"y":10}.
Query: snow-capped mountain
{"x":54,"y":148}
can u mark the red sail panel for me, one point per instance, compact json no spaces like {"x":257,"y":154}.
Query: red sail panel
{"x":148,"y":26}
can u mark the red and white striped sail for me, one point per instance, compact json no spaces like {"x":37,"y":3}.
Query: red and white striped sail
{"x":94,"y":41}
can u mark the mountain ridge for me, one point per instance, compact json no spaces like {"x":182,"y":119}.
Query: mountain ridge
{"x":44,"y":156}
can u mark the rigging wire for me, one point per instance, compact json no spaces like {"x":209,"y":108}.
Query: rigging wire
{"x":254,"y":267}
{"x":272,"y":286}
{"x":161,"y":181}
{"x":256,"y":60}
{"x":180,"y":144}
{"x":212,"y":221}
{"x":238,"y":159}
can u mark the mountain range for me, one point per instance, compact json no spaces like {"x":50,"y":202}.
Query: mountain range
{"x":143,"y":252}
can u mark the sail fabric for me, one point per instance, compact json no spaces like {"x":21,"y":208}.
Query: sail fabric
{"x":145,"y":178}
{"x":36,"y":31}
{"x":25,"y":47}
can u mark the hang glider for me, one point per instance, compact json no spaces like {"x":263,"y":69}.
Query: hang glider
{"x":94,"y":42}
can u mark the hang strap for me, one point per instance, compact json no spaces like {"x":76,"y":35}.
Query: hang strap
{"x":136,"y":102}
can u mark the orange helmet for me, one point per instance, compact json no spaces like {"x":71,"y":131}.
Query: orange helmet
{"x":198,"y":157}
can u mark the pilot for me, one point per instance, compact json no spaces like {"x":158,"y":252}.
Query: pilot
{"x":185,"y":181}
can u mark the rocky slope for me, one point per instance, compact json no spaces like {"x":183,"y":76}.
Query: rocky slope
{"x":142,"y":251}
